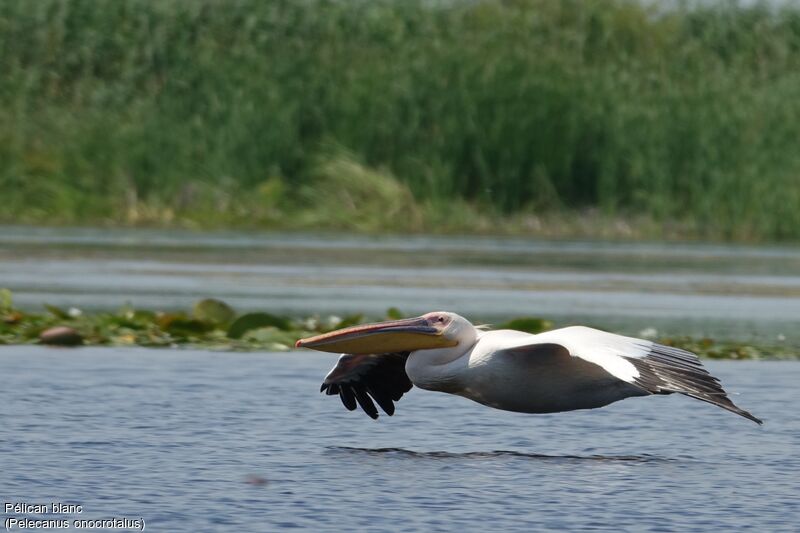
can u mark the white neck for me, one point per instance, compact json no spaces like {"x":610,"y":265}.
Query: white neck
{"x":439,"y":369}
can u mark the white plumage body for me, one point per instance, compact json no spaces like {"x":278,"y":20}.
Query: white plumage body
{"x":509,"y":370}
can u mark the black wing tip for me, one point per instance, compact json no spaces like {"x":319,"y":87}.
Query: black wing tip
{"x":666,"y":370}
{"x":364,"y":381}
{"x":749,"y":416}
{"x":737,"y":410}
{"x":724,"y":402}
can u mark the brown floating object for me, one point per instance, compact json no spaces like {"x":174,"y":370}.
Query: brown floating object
{"x":255,"y":480}
{"x":61,"y":336}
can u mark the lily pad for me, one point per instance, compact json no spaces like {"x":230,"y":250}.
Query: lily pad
{"x":214,"y":311}
{"x":178,"y":324}
{"x":350,"y":320}
{"x":57,"y":312}
{"x":394,"y":313}
{"x":245,"y":323}
{"x":6,"y":301}
{"x":270,"y":336}
{"x":528,"y":325}
{"x":11,"y":317}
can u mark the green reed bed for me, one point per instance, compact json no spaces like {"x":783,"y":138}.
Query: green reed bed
{"x":402,"y":115}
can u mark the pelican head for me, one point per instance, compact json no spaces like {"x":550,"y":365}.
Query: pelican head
{"x":439,"y":329}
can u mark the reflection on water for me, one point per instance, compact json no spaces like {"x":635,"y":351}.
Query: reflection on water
{"x":733,"y":292}
{"x":200,"y":441}
{"x":499,"y":453}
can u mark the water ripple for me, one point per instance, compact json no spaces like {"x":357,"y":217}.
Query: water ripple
{"x":197,"y":441}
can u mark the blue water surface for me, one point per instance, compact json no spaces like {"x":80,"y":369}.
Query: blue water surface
{"x":203,"y":441}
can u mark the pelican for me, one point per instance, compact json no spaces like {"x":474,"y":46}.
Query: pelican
{"x":560,"y":370}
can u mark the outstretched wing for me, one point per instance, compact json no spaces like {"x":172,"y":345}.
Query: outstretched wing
{"x":653,"y":367}
{"x":665,"y":370}
{"x":359,"y":379}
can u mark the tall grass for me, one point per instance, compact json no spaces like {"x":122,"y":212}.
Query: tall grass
{"x":689,"y":117}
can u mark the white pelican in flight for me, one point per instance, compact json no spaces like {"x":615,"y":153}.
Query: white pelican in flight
{"x":560,"y":370}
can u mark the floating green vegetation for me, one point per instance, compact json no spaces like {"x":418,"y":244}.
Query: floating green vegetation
{"x":210,"y":324}
{"x":213,"y":324}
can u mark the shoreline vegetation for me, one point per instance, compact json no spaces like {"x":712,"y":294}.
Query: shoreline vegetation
{"x":613,"y":119}
{"x":212,"y":324}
